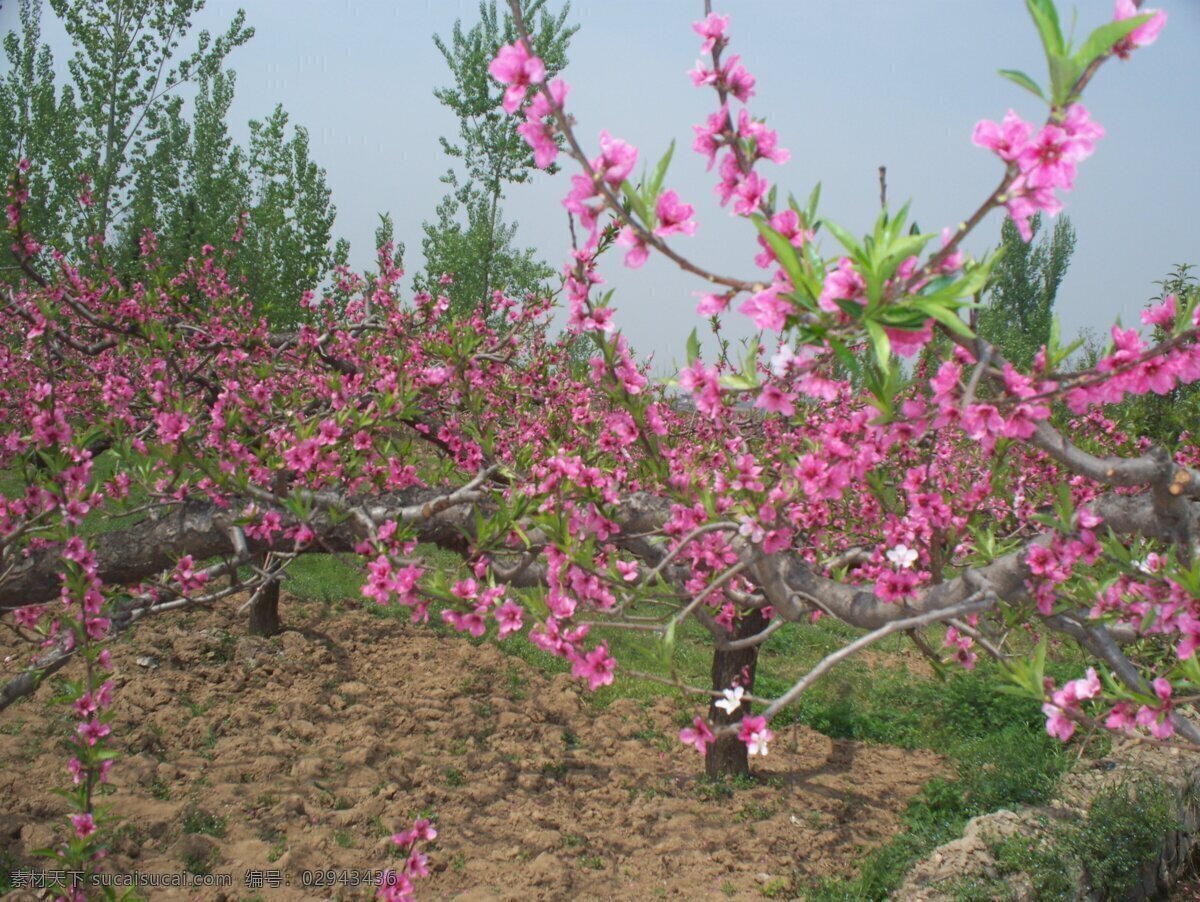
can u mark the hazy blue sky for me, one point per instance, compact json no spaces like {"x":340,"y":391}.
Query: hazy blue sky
{"x":849,"y":86}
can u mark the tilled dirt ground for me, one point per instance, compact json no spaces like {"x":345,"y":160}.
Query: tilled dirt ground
{"x":285,"y":758}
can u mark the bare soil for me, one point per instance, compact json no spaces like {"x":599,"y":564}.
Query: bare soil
{"x":306,"y":751}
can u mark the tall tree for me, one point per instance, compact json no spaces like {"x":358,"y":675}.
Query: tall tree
{"x":1023,"y":289}
{"x":291,"y":219}
{"x":117,"y":136}
{"x":39,"y":122}
{"x":124,"y":71}
{"x":470,"y":239}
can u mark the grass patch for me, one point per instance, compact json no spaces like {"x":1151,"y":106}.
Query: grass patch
{"x":1121,"y":833}
{"x":197,"y":821}
{"x":996,"y":744}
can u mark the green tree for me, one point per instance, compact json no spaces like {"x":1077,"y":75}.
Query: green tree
{"x":470,"y":239}
{"x":287,"y":250}
{"x":1024,"y":286}
{"x":120,"y":123}
{"x":39,"y":122}
{"x":94,"y":134}
{"x":125,"y":71}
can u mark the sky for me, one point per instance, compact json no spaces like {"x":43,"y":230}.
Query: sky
{"x":848,"y":86}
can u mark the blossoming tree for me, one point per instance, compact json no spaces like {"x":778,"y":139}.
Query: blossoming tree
{"x":809,"y":479}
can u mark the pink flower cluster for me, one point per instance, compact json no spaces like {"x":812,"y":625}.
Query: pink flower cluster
{"x":1044,"y":160}
{"x":397,"y":886}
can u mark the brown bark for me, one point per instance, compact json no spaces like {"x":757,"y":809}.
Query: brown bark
{"x":264,"y":612}
{"x":727,"y":756}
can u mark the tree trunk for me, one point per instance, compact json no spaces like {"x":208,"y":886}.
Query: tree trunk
{"x":485,"y":302}
{"x":727,"y":757}
{"x":264,"y":613}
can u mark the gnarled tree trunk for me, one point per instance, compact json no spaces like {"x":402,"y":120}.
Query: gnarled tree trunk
{"x":727,"y":757}
{"x":264,"y":611}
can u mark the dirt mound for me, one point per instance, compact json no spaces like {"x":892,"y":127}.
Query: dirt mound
{"x":305,"y":752}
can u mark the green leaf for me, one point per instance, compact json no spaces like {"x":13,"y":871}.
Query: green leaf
{"x":843,"y":354}
{"x":660,"y":172}
{"x":1101,"y":41}
{"x":881,"y":343}
{"x":638,"y":205}
{"x":813,"y":199}
{"x":783,"y":250}
{"x":845,"y":239}
{"x":901,"y":249}
{"x":693,"y":348}
{"x":1045,"y":16}
{"x":737,"y":382}
{"x":750,"y":360}
{"x":1024,"y":81}
{"x":945,"y":316}
{"x":1064,"y":72}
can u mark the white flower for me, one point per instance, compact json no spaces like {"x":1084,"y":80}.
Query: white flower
{"x":785,"y":360}
{"x":1150,"y":565}
{"x":758,"y":743}
{"x":751,"y":530}
{"x":732,"y":700}
{"x":902,"y":556}
{"x":781,"y":361}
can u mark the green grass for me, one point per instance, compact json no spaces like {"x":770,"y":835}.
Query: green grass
{"x":197,"y":821}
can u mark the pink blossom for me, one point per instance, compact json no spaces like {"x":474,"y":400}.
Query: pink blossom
{"x":1142,"y":36}
{"x":1158,"y":719}
{"x":842,"y":284}
{"x":786,"y":223}
{"x":769,"y":309}
{"x":907,"y":342}
{"x":673,"y":216}
{"x":1058,"y":724}
{"x":628,"y":570}
{"x":773,"y":399}
{"x":698,"y":735}
{"x":712,"y":304}
{"x":596,"y":667}
{"x":541,"y":139}
{"x":766,"y":141}
{"x":1007,"y":140}
{"x":1048,"y":160}
{"x":83,"y":824}
{"x":508,"y":616}
{"x":756,"y":734}
{"x":513,"y":66}
{"x":749,"y":191}
{"x":707,"y":140}
{"x":712,"y":29}
{"x":1161,"y":315}
{"x":93,"y":730}
{"x":738,"y":81}
{"x":616,"y":159}
{"x":638,"y":252}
